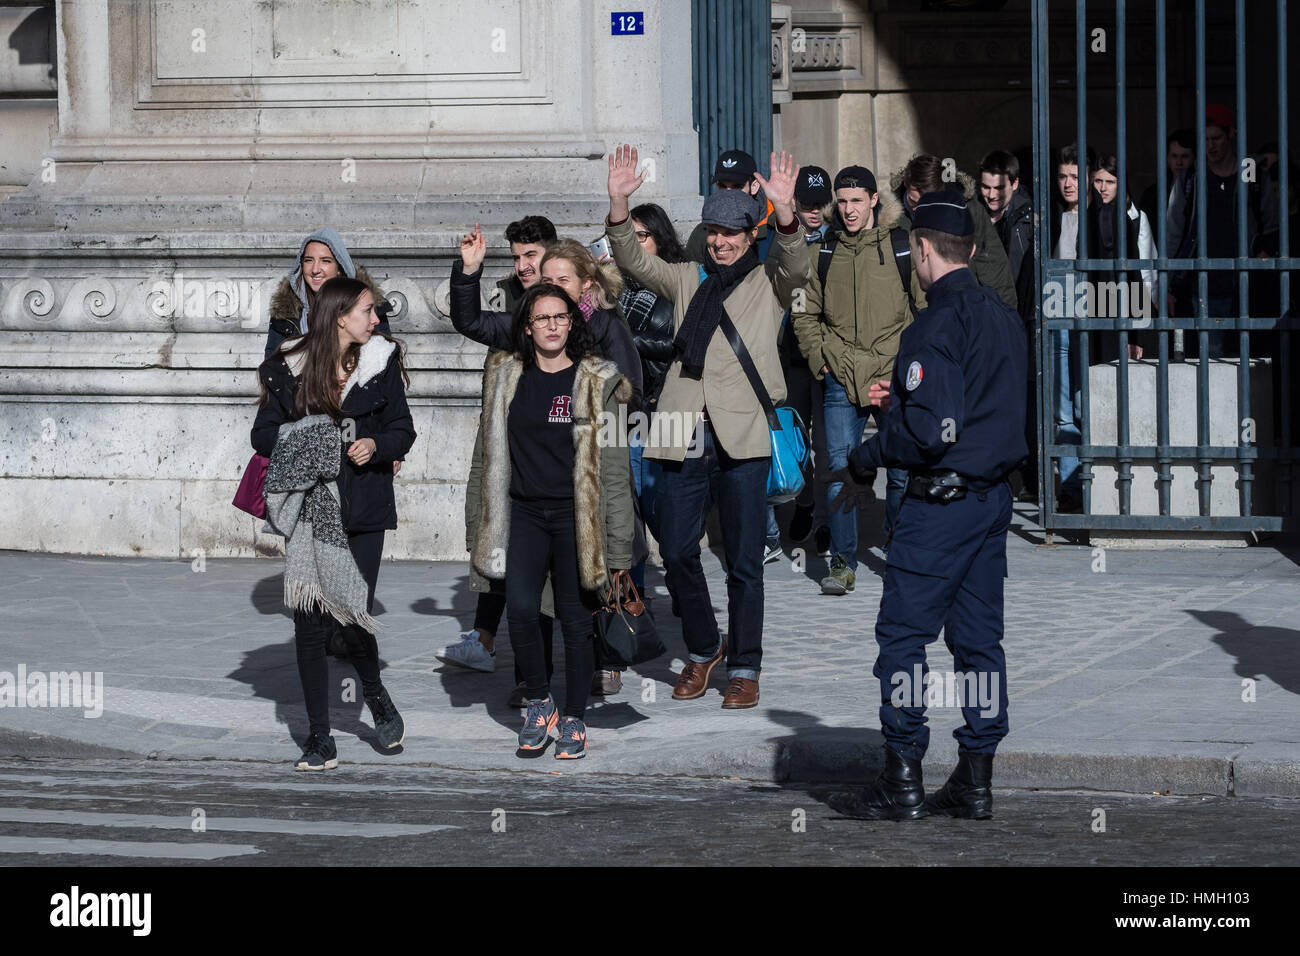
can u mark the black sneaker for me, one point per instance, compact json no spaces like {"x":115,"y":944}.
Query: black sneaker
{"x":319,"y":754}
{"x":823,"y":542}
{"x":772,"y":550}
{"x":389,"y":726}
{"x":801,"y":523}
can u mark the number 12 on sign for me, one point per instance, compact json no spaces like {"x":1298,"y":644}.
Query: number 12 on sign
{"x":627,"y":23}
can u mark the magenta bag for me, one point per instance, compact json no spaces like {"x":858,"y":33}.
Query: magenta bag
{"x":250,"y":497}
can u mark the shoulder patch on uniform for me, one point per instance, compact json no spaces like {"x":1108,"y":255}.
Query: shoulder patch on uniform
{"x":914,"y":376}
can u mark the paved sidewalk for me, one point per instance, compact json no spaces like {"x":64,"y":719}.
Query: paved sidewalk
{"x":1130,"y":678}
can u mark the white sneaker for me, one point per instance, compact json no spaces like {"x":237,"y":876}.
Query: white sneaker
{"x":468,"y":652}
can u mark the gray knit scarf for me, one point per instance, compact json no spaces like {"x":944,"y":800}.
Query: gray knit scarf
{"x":302,"y":503}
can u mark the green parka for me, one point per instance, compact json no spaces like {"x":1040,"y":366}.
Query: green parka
{"x":852,"y":325}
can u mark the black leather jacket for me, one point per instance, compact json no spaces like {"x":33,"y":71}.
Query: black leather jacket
{"x":650,"y":319}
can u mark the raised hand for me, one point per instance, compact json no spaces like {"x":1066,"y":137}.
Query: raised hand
{"x":623,"y":180}
{"x":473,"y":250}
{"x":779,"y":186}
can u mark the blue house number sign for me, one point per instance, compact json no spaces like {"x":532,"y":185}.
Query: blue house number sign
{"x":627,"y":23}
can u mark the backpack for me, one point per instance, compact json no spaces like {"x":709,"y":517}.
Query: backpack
{"x":902,"y":259}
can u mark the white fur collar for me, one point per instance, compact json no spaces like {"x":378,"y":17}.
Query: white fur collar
{"x":373,"y":360}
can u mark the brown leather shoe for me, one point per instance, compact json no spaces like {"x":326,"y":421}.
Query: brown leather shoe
{"x":741,"y":693}
{"x":694,"y":678}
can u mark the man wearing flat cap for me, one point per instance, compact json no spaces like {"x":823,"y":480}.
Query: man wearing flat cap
{"x":956,"y":410}
{"x":709,"y":430}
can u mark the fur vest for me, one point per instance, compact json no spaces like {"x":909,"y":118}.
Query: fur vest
{"x":602,"y":488}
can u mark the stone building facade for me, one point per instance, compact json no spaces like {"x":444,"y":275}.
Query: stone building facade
{"x":161,"y":160}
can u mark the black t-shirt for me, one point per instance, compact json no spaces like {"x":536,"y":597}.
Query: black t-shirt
{"x":541,"y":435}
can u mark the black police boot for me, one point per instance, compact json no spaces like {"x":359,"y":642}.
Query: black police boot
{"x":897,"y":794}
{"x":969,"y":791}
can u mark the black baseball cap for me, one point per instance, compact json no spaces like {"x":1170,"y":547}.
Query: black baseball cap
{"x":735,"y":166}
{"x":856,"y":177}
{"x":813,"y":187}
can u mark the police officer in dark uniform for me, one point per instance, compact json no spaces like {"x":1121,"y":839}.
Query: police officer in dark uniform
{"x":956,"y":413}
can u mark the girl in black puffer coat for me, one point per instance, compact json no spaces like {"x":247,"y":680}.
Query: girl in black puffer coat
{"x":342,"y":369}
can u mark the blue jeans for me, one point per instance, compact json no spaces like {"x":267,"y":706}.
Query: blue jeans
{"x":646,"y":474}
{"x":1067,"y":428}
{"x":687,"y":490}
{"x":844,"y":425}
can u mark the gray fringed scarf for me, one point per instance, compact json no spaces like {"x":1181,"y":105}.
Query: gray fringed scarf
{"x":302,"y":503}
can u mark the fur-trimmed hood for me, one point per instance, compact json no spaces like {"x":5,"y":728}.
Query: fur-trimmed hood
{"x":601,"y":480}
{"x":286,"y":304}
{"x":965,"y":182}
{"x":990,"y":263}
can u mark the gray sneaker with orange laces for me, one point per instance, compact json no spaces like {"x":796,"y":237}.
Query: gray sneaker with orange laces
{"x":572,"y":744}
{"x":541,"y":719}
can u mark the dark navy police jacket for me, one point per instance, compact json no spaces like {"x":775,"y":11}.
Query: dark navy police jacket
{"x":957,"y":399}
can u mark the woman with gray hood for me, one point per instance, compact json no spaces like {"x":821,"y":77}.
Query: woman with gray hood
{"x":321,"y":256}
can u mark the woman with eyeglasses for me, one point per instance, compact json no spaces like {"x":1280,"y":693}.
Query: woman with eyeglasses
{"x":568,"y":264}
{"x":555,"y":499}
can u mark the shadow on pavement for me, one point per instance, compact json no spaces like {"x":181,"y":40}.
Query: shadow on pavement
{"x":818,"y":760}
{"x":470,"y":688}
{"x":463,"y":603}
{"x":1271,"y":652}
{"x":272,"y":672}
{"x":268,"y":596}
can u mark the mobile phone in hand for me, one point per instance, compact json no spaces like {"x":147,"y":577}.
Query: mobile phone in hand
{"x":600,"y":248}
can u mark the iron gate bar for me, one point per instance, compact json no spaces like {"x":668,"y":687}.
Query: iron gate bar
{"x":1246,"y":478}
{"x":1042,"y":183}
{"x":1202,"y":456}
{"x":1217,"y":523}
{"x":1164,"y":460}
{"x":1124,"y":461}
{"x":1081,"y":243}
{"x":1284,"y":249}
{"x":1202,"y":278}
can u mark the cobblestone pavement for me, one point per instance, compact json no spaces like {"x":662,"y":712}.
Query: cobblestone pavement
{"x":1134,"y":671}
